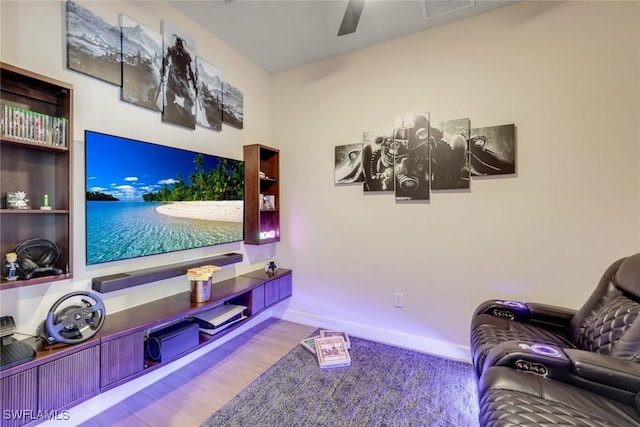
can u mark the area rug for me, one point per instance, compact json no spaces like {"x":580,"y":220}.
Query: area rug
{"x":384,"y":386}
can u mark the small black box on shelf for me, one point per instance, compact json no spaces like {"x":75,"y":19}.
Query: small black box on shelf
{"x":166,"y":343}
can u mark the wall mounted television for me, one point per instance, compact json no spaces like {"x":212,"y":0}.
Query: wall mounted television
{"x":146,"y":199}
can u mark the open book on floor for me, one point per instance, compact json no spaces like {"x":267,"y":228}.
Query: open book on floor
{"x":332,"y":352}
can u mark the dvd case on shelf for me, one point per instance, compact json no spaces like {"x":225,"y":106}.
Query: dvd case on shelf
{"x":31,"y":126}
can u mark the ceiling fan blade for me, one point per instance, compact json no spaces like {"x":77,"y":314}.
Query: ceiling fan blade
{"x":351,"y":17}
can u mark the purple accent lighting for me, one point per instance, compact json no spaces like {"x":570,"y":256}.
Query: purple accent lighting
{"x":513,"y":304}
{"x":546,"y":350}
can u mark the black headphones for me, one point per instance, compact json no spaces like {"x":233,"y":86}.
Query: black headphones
{"x":37,"y":257}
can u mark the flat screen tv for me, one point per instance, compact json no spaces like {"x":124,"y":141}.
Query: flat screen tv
{"x":145,"y":199}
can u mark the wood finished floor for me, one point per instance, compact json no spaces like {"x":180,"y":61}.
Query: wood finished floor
{"x":193,"y":393}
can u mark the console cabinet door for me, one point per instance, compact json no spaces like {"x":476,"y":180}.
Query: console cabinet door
{"x":19,"y":398}
{"x":69,"y":379}
{"x":277,"y":289}
{"x":121,"y":357}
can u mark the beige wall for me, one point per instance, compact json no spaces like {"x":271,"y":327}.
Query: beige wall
{"x":33,"y":38}
{"x":567,"y":75}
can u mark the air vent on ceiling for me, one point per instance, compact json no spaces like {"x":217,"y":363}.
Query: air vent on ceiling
{"x":436,"y":8}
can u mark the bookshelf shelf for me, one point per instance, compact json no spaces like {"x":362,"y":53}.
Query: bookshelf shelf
{"x":37,"y":168}
{"x":262,"y":195}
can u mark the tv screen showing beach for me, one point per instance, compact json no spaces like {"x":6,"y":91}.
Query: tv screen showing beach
{"x":145,"y":199}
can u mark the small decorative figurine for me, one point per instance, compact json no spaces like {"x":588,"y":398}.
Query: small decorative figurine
{"x":22,"y":202}
{"x":12,"y":266}
{"x":45,"y":203}
{"x":272,"y":268}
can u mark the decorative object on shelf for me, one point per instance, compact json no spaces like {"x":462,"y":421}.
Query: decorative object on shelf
{"x":45,"y":203}
{"x":271,"y":268}
{"x":179,"y":77}
{"x":201,"y":278}
{"x":209,"y":101}
{"x":348,"y":164}
{"x":141,"y":65}
{"x":267,"y":202}
{"x":74,"y":323}
{"x":93,"y":45}
{"x":12,"y":266}
{"x":17,"y":200}
{"x":233,"y":110}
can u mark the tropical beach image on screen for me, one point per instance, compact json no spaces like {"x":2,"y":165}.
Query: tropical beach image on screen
{"x":145,"y":199}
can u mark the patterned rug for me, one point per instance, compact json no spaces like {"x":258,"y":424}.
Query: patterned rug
{"x":384,"y":386}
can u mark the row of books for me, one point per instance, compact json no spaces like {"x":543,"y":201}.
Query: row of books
{"x":31,"y":126}
{"x":331,"y":348}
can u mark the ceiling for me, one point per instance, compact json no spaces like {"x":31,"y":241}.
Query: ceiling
{"x":278,"y":35}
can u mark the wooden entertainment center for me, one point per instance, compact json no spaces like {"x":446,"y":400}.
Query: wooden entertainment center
{"x":32,"y":161}
{"x":63,"y":375}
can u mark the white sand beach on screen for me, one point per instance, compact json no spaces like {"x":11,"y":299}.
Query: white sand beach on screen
{"x":224,"y":211}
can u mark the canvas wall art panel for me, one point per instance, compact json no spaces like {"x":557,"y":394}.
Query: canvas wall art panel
{"x":233,"y":106}
{"x":348,"y":164}
{"x":141,"y":65}
{"x":493,"y":150}
{"x":411,"y":160}
{"x":209,"y":97}
{"x":377,"y":160}
{"x":449,"y":155}
{"x":93,"y":45}
{"x":179,"y":88}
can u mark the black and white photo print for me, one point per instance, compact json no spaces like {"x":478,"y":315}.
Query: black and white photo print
{"x":493,"y":150}
{"x":377,"y":160}
{"x":179,"y":76}
{"x":348,"y":164}
{"x":141,"y":65}
{"x":233,"y":110}
{"x":93,"y":45}
{"x":449,"y":155}
{"x":411,"y":157}
{"x":209,"y":110}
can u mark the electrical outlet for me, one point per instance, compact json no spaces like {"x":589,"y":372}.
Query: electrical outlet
{"x":398,"y":299}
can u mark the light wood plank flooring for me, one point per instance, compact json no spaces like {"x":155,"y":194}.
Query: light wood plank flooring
{"x":193,"y":393}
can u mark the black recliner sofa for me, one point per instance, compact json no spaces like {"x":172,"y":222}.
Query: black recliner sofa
{"x":576,"y":362}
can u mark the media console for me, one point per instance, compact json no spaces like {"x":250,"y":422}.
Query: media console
{"x":62,"y":376}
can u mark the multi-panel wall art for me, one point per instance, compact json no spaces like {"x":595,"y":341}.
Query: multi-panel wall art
{"x":156,"y":71}
{"x":416,"y":157}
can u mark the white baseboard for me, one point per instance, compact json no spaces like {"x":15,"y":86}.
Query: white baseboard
{"x":386,"y":336}
{"x":89,"y":408}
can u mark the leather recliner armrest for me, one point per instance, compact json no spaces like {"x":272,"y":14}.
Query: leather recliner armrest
{"x":550,"y":314}
{"x":513,"y":310}
{"x":608,"y":376}
{"x":531,"y":312}
{"x":618,"y":373}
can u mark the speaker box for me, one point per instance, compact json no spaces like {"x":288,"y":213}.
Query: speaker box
{"x":166,"y":343}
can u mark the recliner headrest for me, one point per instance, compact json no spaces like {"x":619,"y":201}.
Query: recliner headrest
{"x":627,"y":277}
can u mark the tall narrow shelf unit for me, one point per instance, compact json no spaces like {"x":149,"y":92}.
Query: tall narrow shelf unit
{"x":32,"y":161}
{"x":262,"y":194}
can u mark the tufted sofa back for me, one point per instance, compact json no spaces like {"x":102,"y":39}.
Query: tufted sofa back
{"x":609,"y":322}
